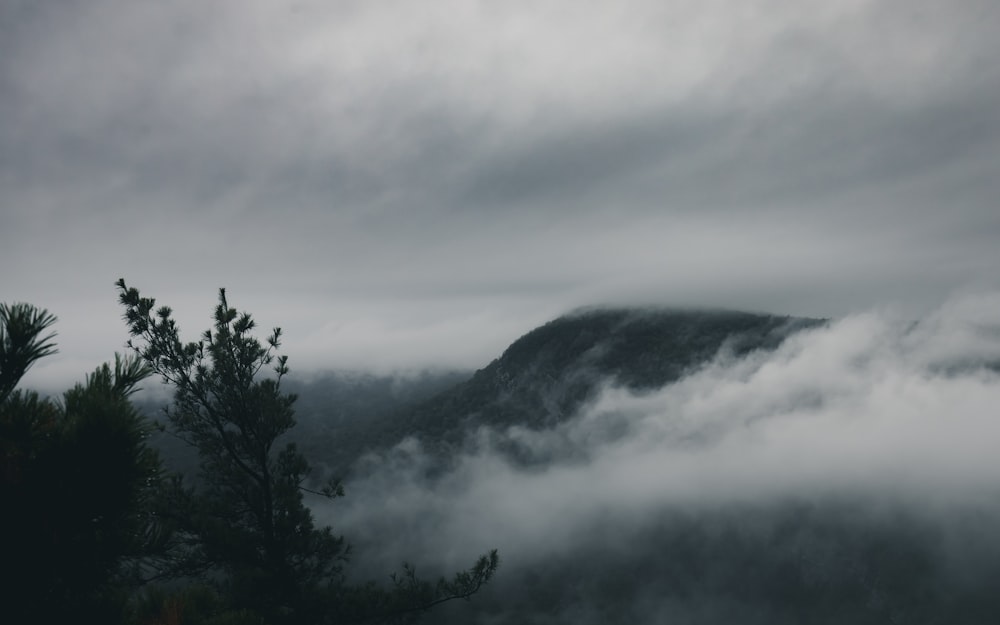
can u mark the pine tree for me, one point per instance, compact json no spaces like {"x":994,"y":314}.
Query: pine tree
{"x":22,"y":342}
{"x":76,"y":480}
{"x":244,"y":519}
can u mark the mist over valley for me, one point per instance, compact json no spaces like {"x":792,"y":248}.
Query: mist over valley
{"x":686,"y":466}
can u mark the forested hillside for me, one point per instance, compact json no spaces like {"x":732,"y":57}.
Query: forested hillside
{"x":540,"y":381}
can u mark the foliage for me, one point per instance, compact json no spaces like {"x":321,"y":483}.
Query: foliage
{"x":243,"y":521}
{"x":76,"y":480}
{"x":22,"y":342}
{"x":193,"y":604}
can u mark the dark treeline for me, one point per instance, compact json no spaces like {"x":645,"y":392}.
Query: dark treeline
{"x":781,"y":563}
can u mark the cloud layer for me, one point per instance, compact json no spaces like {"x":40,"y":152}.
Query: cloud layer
{"x":366,"y":174}
{"x":873,"y":422}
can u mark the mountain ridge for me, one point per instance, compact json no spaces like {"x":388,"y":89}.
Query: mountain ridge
{"x":545,"y":376}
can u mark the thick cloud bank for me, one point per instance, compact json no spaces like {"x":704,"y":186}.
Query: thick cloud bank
{"x":852,"y":471}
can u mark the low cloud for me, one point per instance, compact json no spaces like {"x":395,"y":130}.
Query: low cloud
{"x":885,"y":415}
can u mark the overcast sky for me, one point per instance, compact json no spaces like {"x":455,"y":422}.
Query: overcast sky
{"x":401,"y":184}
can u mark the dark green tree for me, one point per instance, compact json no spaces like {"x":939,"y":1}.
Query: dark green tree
{"x":76,"y":481}
{"x":243,"y":519}
{"x":22,"y":342}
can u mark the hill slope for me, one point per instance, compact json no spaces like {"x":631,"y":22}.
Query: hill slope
{"x":545,"y":376}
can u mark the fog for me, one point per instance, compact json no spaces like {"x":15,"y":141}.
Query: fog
{"x":877,"y":425}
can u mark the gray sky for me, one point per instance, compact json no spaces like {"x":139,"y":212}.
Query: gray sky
{"x":400,"y":184}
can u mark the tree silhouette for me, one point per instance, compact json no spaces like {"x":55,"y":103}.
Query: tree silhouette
{"x":243,"y":520}
{"x":76,"y":480}
{"x":22,"y":342}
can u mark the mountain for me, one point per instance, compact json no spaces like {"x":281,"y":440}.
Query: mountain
{"x":544,"y":377}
